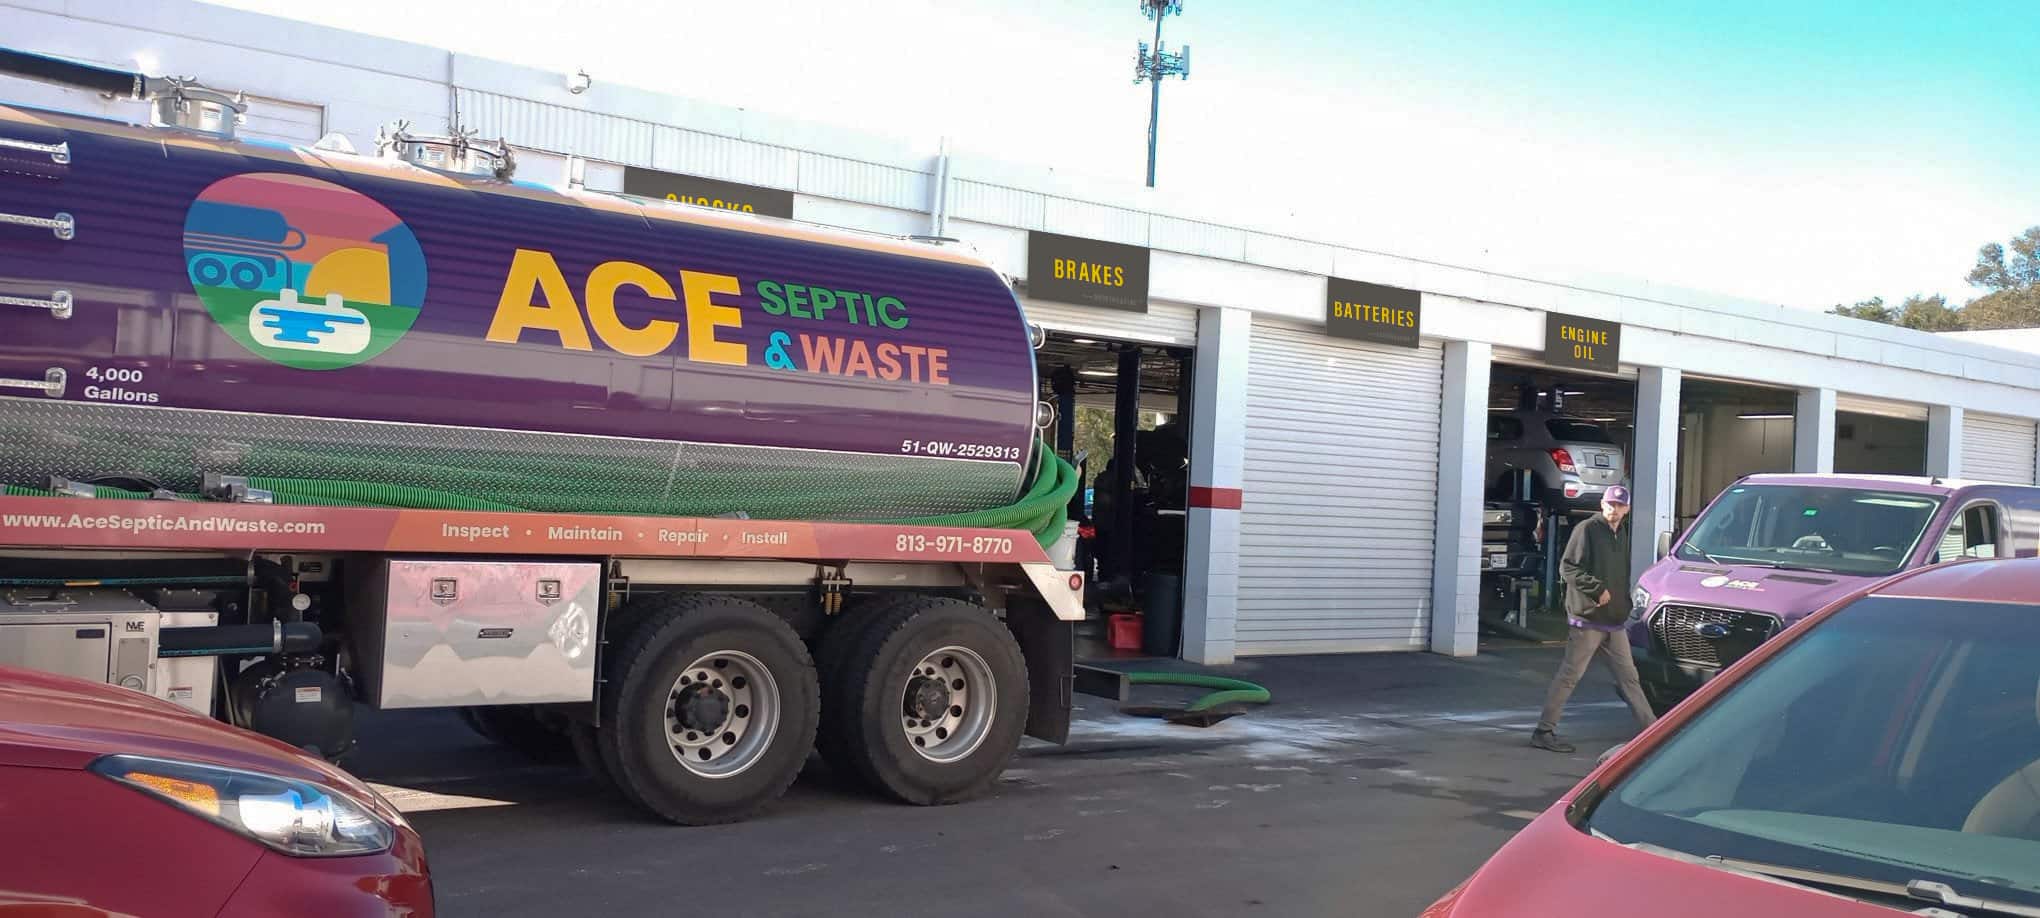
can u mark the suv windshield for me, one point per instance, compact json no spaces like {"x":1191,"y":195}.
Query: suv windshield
{"x":1577,"y":432}
{"x":1898,"y":740}
{"x":1845,"y":530}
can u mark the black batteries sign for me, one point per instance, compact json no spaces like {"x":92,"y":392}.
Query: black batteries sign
{"x":693,"y":189}
{"x":1582,"y":343}
{"x":1372,"y":312}
{"x":1087,"y":272}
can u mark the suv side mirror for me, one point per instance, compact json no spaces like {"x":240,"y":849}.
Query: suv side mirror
{"x":1664,"y":545}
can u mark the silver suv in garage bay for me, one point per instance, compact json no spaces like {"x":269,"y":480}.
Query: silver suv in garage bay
{"x":1573,"y":460}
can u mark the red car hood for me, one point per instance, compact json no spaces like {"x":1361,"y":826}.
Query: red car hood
{"x":50,"y":721}
{"x":1551,"y":868}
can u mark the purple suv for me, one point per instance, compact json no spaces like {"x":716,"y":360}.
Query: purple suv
{"x":1772,"y":549}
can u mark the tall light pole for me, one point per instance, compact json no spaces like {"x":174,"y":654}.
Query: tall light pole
{"x":1152,"y":66}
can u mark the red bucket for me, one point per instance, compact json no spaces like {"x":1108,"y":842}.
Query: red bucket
{"x":1123,"y":630}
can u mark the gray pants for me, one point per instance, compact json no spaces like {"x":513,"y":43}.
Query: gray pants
{"x":1580,"y":648}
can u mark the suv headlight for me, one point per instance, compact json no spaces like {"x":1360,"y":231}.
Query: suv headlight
{"x":1639,"y":604}
{"x":298,"y":818}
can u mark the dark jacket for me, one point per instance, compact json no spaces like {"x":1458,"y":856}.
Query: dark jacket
{"x":1596,"y":559}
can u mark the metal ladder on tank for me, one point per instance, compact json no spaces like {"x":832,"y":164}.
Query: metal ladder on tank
{"x":60,"y":301}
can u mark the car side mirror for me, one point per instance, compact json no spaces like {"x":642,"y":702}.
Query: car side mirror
{"x":1664,"y":545}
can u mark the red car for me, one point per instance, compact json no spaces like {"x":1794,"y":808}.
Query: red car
{"x":1880,"y":757}
{"x":117,"y":803}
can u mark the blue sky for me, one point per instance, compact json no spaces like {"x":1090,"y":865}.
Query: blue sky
{"x":1796,"y":152}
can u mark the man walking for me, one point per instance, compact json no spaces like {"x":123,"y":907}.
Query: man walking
{"x":1595,"y":569}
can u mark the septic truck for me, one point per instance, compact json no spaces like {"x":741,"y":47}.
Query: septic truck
{"x":684,"y":493}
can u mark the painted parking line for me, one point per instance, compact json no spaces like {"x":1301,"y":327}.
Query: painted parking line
{"x":410,"y":800}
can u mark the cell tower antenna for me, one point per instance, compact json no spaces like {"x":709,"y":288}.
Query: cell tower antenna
{"x":1153,"y":66}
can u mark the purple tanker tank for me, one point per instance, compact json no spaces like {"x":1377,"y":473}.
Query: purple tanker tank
{"x":176,"y":306}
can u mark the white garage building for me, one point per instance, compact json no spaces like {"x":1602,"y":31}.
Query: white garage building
{"x":1336,"y":483}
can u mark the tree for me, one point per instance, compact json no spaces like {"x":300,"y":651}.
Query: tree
{"x":2012,"y":300}
{"x":1094,"y":435}
{"x":2022,"y":272}
{"x":1925,"y":313}
{"x":1931,"y":314}
{"x":2004,"y":309}
{"x":1872,"y":309}
{"x":2014,"y":284}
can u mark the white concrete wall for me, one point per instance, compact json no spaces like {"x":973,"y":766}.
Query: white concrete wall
{"x":1813,"y":431}
{"x":1944,"y":441}
{"x":1654,"y":467}
{"x":1462,"y":476}
{"x":362,"y":82}
{"x":1218,"y":452}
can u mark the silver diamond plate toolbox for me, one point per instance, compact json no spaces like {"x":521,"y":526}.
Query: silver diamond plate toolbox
{"x":446,"y":633}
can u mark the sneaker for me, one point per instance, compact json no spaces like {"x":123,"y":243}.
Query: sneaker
{"x":1546,"y":739}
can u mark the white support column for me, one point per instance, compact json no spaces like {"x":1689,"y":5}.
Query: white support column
{"x":1462,"y":474}
{"x":1654,"y":473}
{"x":1944,"y":441}
{"x":1813,"y":432}
{"x":1218,"y":454}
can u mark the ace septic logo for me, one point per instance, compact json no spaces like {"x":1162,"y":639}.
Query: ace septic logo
{"x":303,"y":272}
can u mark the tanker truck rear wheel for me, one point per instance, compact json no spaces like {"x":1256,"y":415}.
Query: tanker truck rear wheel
{"x":709,"y":710}
{"x":588,"y":751}
{"x":833,"y":655}
{"x":933,"y":701}
{"x":522,"y":730}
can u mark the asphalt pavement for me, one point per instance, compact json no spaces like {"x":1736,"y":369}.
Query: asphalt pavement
{"x":1371,"y":785}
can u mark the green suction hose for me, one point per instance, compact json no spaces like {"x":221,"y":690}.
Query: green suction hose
{"x":1042,"y":510}
{"x":1228,"y":691}
{"x":1204,"y":712}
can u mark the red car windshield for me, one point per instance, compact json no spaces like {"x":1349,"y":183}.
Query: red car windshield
{"x":1899,"y":740}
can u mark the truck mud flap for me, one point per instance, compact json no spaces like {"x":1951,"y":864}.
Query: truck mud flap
{"x":1050,"y":647}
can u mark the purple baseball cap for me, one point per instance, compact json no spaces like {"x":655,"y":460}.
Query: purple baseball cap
{"x":1617,"y":495}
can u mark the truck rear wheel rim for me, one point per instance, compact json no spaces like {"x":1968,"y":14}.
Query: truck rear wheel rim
{"x":948,"y":704}
{"x":721,"y":714}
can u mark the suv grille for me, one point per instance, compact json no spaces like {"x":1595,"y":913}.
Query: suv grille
{"x":1676,"y":627}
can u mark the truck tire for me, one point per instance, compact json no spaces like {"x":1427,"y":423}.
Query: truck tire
{"x":933,"y":701}
{"x":522,"y":730}
{"x":484,"y":729}
{"x":598,"y":757}
{"x":588,"y":752}
{"x":709,"y":709}
{"x":832,"y":656}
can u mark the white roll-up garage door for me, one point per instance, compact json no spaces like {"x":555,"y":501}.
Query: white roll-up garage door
{"x":1163,"y":323}
{"x":1997,"y":449}
{"x":1341,"y":487}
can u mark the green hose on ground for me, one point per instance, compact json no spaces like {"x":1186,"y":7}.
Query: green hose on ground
{"x":1217,"y":706}
{"x":1229,"y":691}
{"x":1043,"y":509}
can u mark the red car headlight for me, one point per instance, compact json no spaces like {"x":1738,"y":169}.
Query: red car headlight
{"x":298,"y":818}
